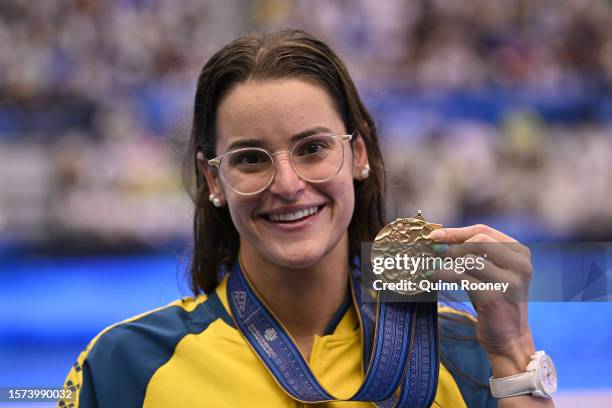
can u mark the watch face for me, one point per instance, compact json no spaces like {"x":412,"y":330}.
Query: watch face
{"x":548,"y":375}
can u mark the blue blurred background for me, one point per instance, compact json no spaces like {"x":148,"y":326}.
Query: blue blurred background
{"x":490,"y":112}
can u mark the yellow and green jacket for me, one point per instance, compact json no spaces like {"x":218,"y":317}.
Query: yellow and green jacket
{"x":188,"y":354}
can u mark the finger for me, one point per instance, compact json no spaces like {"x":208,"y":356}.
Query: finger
{"x":492,"y":250}
{"x":462,"y":234}
{"x":487,"y":272}
{"x":450,"y":276}
{"x":512,"y":286}
{"x":492,"y":273}
{"x":458,"y":235}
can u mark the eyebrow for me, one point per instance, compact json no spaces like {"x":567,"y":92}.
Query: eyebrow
{"x":254,"y":142}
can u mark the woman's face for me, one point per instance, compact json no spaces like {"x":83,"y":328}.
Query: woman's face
{"x":273,"y":112}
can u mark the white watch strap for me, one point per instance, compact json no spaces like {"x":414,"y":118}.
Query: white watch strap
{"x":518,"y":384}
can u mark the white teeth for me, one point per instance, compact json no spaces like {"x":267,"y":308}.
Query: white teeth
{"x":294,"y":215}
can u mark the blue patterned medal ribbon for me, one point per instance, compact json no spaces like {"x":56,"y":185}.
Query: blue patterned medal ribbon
{"x":421,"y":379}
{"x":400,"y":354}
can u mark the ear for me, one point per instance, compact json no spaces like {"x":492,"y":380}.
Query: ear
{"x":211,"y":174}
{"x":360,"y":157}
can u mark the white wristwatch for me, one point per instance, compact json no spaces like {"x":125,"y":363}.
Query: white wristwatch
{"x":539,"y":380}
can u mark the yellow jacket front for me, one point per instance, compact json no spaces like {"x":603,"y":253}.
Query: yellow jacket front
{"x":188,"y":354}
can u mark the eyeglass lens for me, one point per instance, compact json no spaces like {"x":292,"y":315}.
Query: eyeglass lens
{"x":315,"y":158}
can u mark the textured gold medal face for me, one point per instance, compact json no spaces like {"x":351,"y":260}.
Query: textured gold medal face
{"x":409,"y":236}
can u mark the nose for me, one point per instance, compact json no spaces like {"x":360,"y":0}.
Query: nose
{"x":286,"y":184}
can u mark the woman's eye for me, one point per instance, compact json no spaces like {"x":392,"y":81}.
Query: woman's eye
{"x":248,"y":158}
{"x":312,"y":148}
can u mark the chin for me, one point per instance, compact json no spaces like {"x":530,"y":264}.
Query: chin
{"x":296,"y":256}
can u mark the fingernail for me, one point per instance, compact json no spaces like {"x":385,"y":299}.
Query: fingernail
{"x":429,"y":274}
{"x":437,"y":234}
{"x":440,"y":248}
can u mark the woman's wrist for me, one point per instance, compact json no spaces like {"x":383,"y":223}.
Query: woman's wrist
{"x":511,"y":358}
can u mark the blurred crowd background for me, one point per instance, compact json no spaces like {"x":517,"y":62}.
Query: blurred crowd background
{"x":495,"y":112}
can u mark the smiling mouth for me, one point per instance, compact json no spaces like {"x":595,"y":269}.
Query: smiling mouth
{"x":295,"y":216}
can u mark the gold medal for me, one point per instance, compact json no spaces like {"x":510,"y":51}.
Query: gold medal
{"x":405,"y":240}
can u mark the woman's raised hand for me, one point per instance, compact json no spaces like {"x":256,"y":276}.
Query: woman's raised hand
{"x":502,"y":326}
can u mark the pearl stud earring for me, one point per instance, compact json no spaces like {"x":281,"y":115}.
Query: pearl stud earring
{"x":216,"y":202}
{"x":365,"y":172}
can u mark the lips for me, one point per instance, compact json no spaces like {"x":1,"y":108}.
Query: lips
{"x":293,"y":216}
{"x":288,"y":217}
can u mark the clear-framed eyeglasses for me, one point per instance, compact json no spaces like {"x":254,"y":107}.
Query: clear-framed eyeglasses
{"x":250,"y":170}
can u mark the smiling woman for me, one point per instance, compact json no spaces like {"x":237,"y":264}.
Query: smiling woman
{"x":289,"y":181}
{"x":297,"y":122}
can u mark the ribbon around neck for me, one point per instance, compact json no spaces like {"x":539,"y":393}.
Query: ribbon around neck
{"x":400,"y":347}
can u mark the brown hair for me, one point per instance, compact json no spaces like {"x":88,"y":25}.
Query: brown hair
{"x":261,"y":56}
